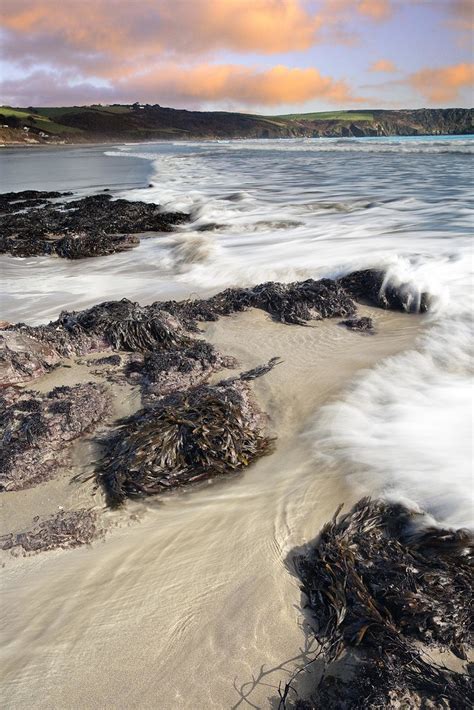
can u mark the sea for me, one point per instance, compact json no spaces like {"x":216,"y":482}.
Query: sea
{"x":290,"y":210}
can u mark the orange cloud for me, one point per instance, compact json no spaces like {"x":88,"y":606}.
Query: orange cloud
{"x":242,"y":85}
{"x":376,"y":9}
{"x":383,"y":65}
{"x":442,"y":84}
{"x":335,"y":10}
{"x":194,"y":86}
{"x":186,"y":26}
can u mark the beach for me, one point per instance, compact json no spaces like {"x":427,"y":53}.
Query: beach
{"x":189,"y":599}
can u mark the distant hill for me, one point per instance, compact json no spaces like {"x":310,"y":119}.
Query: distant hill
{"x":98,"y":124}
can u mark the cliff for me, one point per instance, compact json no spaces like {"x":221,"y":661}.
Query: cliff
{"x":99,"y":124}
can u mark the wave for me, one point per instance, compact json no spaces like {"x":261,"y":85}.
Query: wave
{"x":285,"y":210}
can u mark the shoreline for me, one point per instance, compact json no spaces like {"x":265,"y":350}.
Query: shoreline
{"x":160,"y":543}
{"x":199,"y":139}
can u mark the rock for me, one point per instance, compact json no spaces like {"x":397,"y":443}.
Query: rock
{"x":189,"y":436}
{"x":109,"y":360}
{"x":37,"y":430}
{"x":363,"y":325}
{"x":370,"y":285}
{"x":294,"y":303}
{"x":165,"y":371}
{"x":32,"y":225}
{"x":81,"y":246}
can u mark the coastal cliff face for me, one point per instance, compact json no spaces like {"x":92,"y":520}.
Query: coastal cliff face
{"x":449,"y":121}
{"x":146,"y":122}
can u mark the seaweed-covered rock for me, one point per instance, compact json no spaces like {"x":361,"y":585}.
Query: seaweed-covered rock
{"x":106,"y":361}
{"x":124,"y":325}
{"x":27,"y":352}
{"x":294,"y":303}
{"x":186,"y":437}
{"x":380,"y":581}
{"x":18,"y":201}
{"x":362,"y":325}
{"x":161,"y":372}
{"x":91,"y":226}
{"x":36,"y":430}
{"x":82,"y":245}
{"x":375,"y":686}
{"x":373,"y":285}
{"x":61,"y":530}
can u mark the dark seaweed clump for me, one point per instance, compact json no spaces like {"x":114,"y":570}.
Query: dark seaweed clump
{"x":186,"y":437}
{"x":377,"y":584}
{"x":26,"y":199}
{"x":61,"y":530}
{"x":36,"y":430}
{"x":295,"y":303}
{"x":29,"y":351}
{"x":124,"y":325}
{"x":31,"y":225}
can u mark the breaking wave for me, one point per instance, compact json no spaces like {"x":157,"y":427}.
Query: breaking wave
{"x":294,"y":209}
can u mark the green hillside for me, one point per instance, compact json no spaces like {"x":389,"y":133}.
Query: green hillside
{"x":329,"y":116}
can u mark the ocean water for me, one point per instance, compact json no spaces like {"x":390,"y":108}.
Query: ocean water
{"x":289,"y":210}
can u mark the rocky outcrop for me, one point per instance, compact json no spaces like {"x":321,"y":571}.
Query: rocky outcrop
{"x":190,"y":436}
{"x":37,"y":430}
{"x":31,"y":224}
{"x":164,"y":327}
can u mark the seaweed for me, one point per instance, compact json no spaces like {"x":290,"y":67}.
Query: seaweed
{"x":97,"y":225}
{"x":187,"y":437}
{"x":380,"y":581}
{"x":294,"y":303}
{"x":124,"y":325}
{"x":29,"y":351}
{"x":62,"y":530}
{"x":82,"y":245}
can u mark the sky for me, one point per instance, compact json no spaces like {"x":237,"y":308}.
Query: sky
{"x":259,"y":56}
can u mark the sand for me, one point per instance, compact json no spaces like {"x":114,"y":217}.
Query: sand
{"x":189,"y":602}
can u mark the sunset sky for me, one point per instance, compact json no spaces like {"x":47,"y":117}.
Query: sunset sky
{"x":263,"y":56}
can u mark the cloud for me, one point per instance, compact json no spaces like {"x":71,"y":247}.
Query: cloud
{"x":195,"y":85}
{"x":461,"y":14}
{"x":383,"y":65}
{"x":151,"y":28}
{"x":442,"y":84}
{"x":375,"y":9}
{"x":246,"y":86}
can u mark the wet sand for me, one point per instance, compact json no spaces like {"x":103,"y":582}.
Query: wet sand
{"x":188,"y":602}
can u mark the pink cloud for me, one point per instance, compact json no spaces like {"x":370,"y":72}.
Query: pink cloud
{"x":195,"y":85}
{"x":383,"y":65}
{"x":443,"y":83}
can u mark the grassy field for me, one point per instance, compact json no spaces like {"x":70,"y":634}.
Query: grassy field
{"x":328,"y":116}
{"x":37,"y":119}
{"x":63,"y":110}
